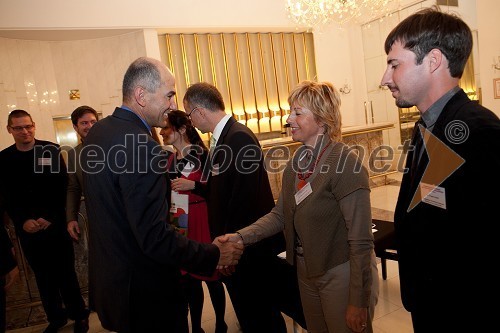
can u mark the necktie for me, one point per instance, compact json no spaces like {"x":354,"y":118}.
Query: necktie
{"x":212,"y":145}
{"x":418,"y":143}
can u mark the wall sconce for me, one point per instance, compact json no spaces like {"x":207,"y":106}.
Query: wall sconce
{"x":74,"y":94}
{"x":496,"y":64}
{"x":345,"y":89}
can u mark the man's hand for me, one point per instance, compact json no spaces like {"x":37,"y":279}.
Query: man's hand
{"x":11,"y":277}
{"x":31,"y":226}
{"x":73,"y":229}
{"x":43,"y":223}
{"x":231,"y":238}
{"x":230,"y":252}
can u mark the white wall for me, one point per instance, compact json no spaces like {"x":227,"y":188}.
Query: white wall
{"x":337,"y":63}
{"x":339,"y":55}
{"x":488,"y":12}
{"x":37,"y":75}
{"x":29,"y":14}
{"x":333,"y":48}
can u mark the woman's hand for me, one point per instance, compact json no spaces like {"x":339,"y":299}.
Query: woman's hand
{"x":182,"y":184}
{"x":356,"y":318}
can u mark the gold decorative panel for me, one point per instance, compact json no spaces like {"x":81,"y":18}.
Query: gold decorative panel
{"x":74,"y":94}
{"x":468,"y":81}
{"x":253,"y":71}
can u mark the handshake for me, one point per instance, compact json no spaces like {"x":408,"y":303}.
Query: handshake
{"x":231,"y":248}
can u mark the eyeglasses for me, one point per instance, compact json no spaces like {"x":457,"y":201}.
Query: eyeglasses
{"x":21,"y":128}
{"x":193,"y":110}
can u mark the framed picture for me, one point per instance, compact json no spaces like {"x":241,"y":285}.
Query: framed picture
{"x":496,"y":87}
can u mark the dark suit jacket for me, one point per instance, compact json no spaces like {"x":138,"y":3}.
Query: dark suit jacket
{"x":434,"y":241}
{"x":239,"y":192}
{"x":75,"y":181}
{"x":134,"y":254}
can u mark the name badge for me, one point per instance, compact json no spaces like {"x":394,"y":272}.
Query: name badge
{"x":44,"y":161}
{"x":188,"y":168}
{"x":303,"y":193}
{"x":433,"y":195}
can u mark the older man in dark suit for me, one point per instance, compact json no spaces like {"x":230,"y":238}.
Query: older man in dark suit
{"x":238,"y":193}
{"x":135,"y":256}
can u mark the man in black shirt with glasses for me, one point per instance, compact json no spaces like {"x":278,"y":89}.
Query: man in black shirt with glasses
{"x":34,"y":182}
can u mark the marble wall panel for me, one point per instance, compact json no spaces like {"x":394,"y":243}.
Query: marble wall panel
{"x":37,"y":76}
{"x":366,"y":144}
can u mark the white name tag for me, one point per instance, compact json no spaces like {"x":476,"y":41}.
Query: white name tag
{"x":44,"y":161}
{"x":303,"y":193}
{"x":433,"y":195}
{"x":188,"y":168}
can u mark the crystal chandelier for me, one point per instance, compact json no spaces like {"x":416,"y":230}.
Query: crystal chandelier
{"x":310,"y":12}
{"x":318,"y":13}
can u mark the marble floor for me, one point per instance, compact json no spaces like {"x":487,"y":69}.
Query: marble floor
{"x":390,"y":316}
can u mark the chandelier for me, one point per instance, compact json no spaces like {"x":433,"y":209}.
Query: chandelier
{"x":318,"y":13}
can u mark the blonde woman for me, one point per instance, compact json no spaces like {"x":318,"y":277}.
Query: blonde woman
{"x":324,"y":209}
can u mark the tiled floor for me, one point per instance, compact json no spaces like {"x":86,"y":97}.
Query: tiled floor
{"x":390,"y":316}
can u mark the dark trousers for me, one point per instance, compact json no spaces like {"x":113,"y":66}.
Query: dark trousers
{"x":255,"y":292}
{"x":2,"y":304}
{"x":287,"y":291}
{"x":165,"y":310}
{"x":429,"y":295}
{"x":52,"y":259}
{"x":193,"y":290}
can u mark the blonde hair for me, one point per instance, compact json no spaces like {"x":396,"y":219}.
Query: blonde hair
{"x":323,"y":100}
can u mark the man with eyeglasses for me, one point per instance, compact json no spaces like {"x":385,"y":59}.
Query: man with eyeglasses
{"x":238,"y":193}
{"x":33,"y":185}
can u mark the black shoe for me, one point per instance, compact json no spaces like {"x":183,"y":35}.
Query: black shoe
{"x":81,"y":326}
{"x":54,"y":326}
